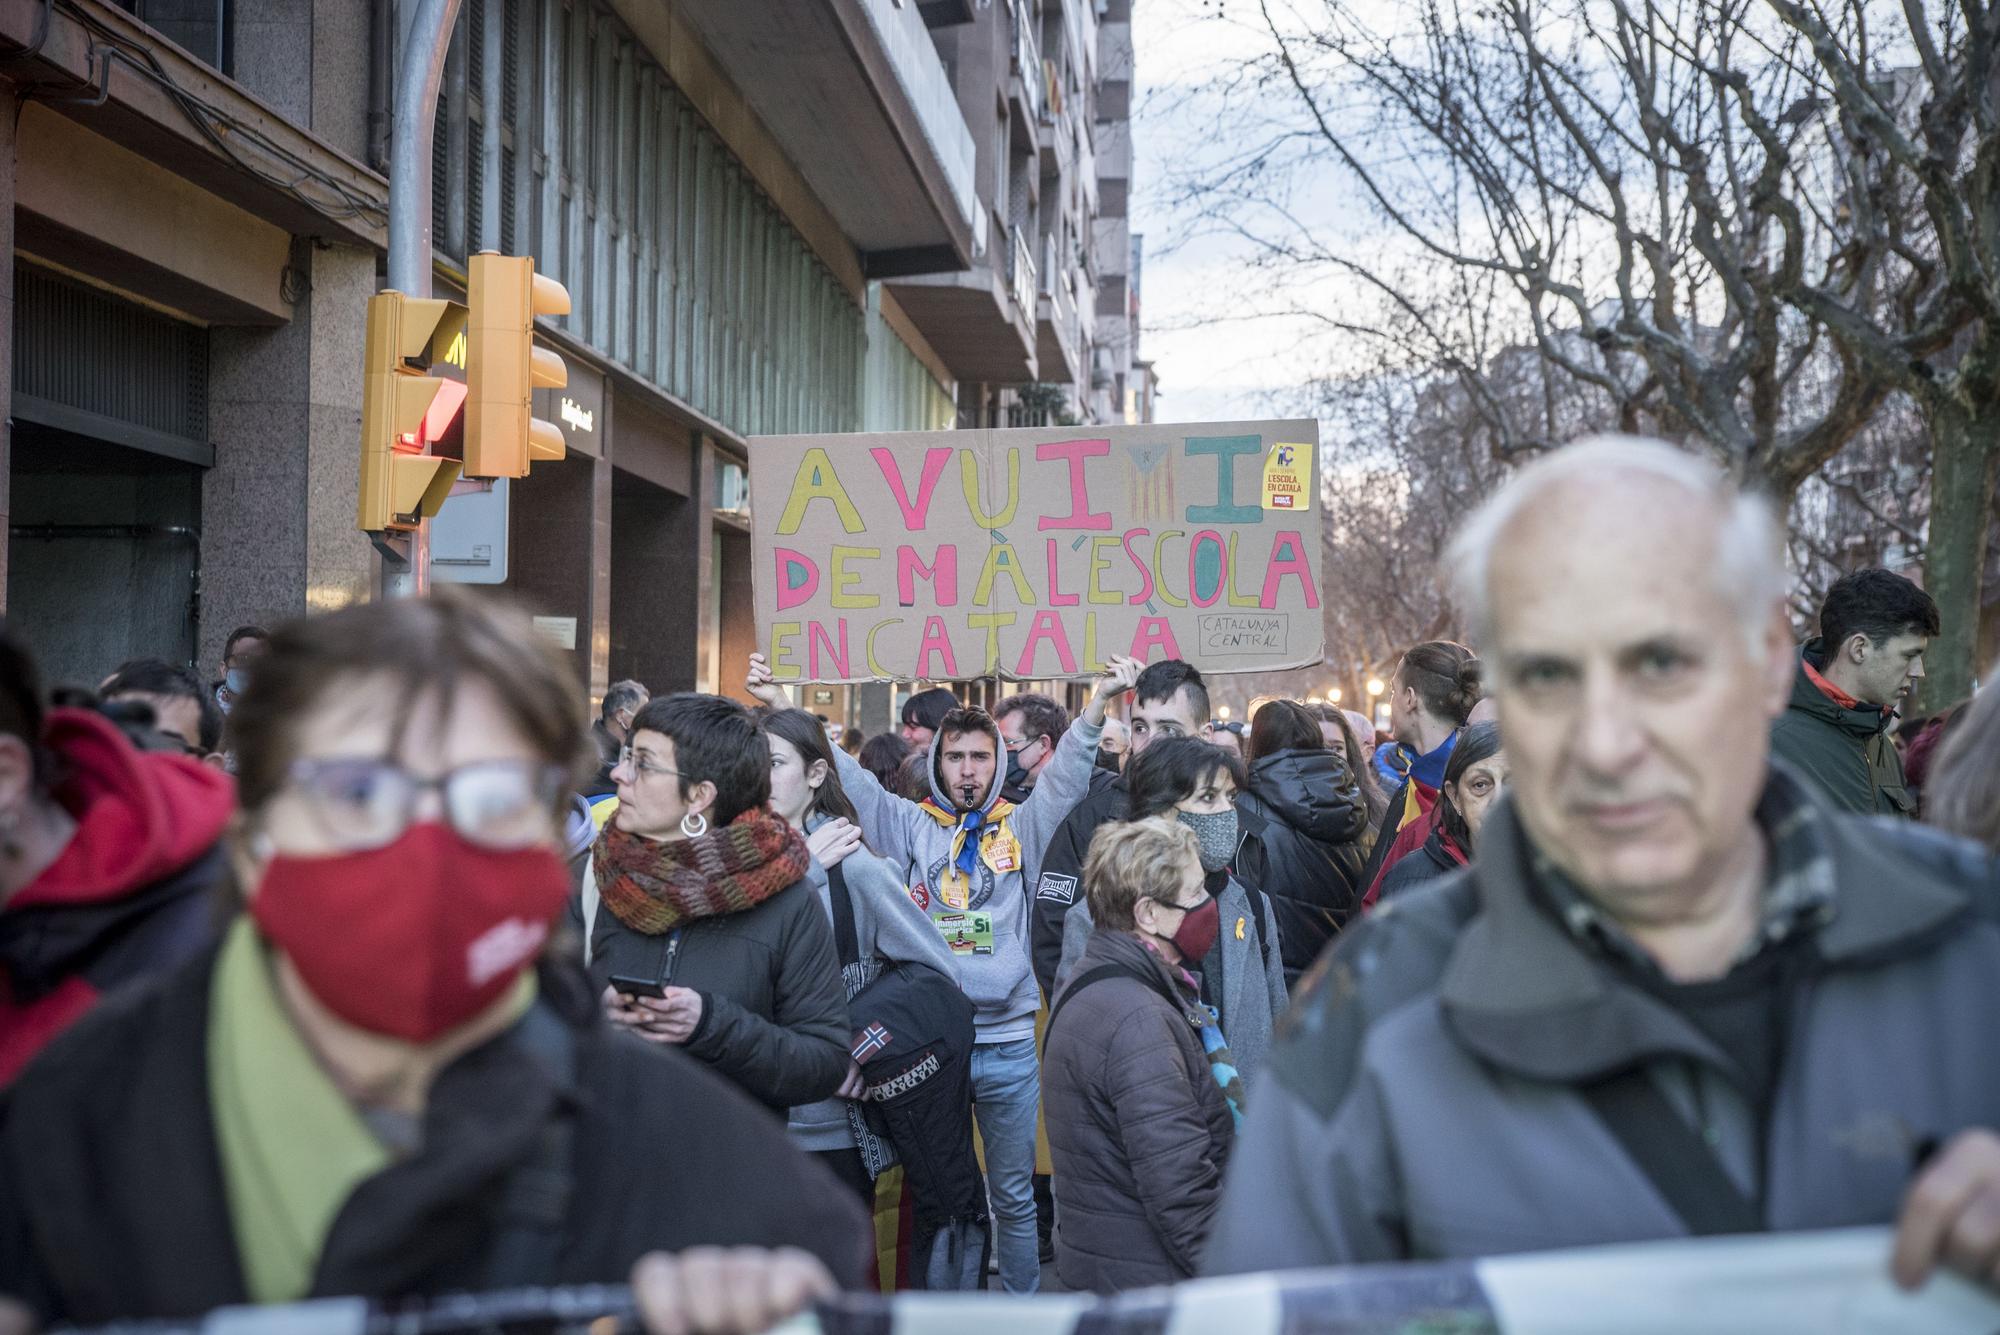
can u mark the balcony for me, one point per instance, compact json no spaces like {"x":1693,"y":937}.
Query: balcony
{"x":1025,"y":76}
{"x":1056,"y":329}
{"x":856,"y":96}
{"x":978,"y":321}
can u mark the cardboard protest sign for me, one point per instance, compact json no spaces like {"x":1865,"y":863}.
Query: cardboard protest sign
{"x":1038,"y":552}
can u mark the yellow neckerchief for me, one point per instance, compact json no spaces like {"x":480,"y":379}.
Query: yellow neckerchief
{"x":998,"y":849}
{"x":293,"y":1148}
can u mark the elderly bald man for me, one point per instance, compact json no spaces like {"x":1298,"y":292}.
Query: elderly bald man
{"x":1675,"y":994}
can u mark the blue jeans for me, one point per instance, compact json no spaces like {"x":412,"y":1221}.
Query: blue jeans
{"x":1006,"y":1091}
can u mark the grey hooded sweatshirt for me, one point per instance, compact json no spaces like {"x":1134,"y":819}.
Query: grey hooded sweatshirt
{"x":997,"y":979}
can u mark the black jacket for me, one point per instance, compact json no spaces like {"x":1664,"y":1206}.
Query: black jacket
{"x":1845,"y":753}
{"x":1300,"y":819}
{"x":1061,"y":881}
{"x":773,"y":1009}
{"x":1428,"y":863}
{"x":112,"y":1202}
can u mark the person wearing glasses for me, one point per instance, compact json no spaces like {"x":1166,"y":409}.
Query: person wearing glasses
{"x":375,"y":1085}
{"x":703,"y":927}
{"x":1142,"y":1095}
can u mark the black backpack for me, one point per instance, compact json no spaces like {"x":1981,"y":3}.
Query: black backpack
{"x":912,"y":1039}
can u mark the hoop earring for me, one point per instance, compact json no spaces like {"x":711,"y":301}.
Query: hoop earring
{"x":694,"y":825}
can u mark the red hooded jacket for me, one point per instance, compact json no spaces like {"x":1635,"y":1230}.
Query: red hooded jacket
{"x":127,"y":896}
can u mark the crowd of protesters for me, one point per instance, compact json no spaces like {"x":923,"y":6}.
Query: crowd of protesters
{"x":376,"y":967}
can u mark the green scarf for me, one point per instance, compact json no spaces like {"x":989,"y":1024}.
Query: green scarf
{"x":293,"y":1148}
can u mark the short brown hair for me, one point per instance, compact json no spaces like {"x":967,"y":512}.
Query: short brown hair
{"x":1131,"y":860}
{"x":421,"y":645}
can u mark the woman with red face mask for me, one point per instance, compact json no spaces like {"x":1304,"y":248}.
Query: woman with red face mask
{"x":1139,"y":1092}
{"x":374,"y":1085}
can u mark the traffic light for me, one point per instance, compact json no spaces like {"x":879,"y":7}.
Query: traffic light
{"x":503,"y":367}
{"x":412,"y":424}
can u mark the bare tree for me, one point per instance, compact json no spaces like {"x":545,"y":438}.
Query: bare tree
{"x":1914,"y":295}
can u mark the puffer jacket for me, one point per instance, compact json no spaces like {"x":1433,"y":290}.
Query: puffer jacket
{"x":1438,"y":857}
{"x":1301,"y":819}
{"x":773,"y":1010}
{"x":1846,"y":753}
{"x":1138,"y":1129}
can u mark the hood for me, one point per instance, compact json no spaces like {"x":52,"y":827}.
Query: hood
{"x":939,"y":796}
{"x":140,"y":815}
{"x":579,"y":828}
{"x":1312,"y":792}
{"x":1809,"y":699}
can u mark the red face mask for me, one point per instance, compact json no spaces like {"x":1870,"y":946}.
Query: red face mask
{"x":1195,"y":937}
{"x":413,"y":939}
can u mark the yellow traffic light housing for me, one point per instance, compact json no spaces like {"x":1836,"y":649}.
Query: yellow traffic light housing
{"x":411,"y":422}
{"x":503,"y":367}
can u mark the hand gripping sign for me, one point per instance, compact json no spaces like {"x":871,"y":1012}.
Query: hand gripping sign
{"x":1037,"y":553}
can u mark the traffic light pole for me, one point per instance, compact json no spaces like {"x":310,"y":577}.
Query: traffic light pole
{"x":406,"y":560}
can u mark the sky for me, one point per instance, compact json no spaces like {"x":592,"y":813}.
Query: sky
{"x":1212,"y":364}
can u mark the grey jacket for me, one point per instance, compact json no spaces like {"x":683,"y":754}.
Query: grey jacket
{"x":1424,"y":1103}
{"x":1252,"y":990}
{"x":1139,"y":1131}
{"x":888,"y":927}
{"x":1001,"y":985}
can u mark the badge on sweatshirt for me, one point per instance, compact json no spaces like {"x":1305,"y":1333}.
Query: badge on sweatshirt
{"x":1003,"y":852}
{"x":966,"y":933}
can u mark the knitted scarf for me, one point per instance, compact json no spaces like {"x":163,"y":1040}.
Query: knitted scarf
{"x":653,"y":888}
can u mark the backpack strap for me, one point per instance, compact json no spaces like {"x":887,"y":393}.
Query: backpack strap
{"x":535,"y":1201}
{"x":1098,"y":975}
{"x":842,"y":903}
{"x":1673,"y":1155}
{"x":1256,"y":898}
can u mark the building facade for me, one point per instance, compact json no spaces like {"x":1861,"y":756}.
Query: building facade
{"x":798,"y":215}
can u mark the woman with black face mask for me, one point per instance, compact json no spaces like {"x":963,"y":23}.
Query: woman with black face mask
{"x":1138,"y":1086}
{"x":1196,"y":784}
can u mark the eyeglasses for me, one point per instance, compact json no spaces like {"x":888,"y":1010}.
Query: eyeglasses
{"x":641,"y":766}
{"x":1184,"y":908}
{"x":363,"y":804}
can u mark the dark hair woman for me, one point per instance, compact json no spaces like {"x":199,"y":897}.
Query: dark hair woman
{"x":1337,"y":730}
{"x":1196,"y":783}
{"x":366,"y":1088}
{"x":1302,"y":818}
{"x":1473,"y":782}
{"x":708,"y":934}
{"x":883,"y":755}
{"x":107,"y":855}
{"x":888,"y":926}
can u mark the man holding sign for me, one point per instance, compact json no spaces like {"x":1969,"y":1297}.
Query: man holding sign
{"x":970,"y":857}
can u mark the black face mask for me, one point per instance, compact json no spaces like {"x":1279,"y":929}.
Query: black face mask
{"x":1017,"y":774}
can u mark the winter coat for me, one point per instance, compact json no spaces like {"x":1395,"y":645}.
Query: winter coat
{"x":1436,"y":858}
{"x":773,"y":1011}
{"x":1301,"y":819}
{"x":1846,"y":753}
{"x":1061,"y":881}
{"x":1139,"y":1131}
{"x":113,"y":1204}
{"x":133,"y":892}
{"x":1001,"y":984}
{"x":888,"y":928}
{"x":1244,"y":972}
{"x":1427,"y":1101}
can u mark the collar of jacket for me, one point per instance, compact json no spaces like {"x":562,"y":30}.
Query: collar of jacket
{"x":1522,"y":992}
{"x":1863,"y":720}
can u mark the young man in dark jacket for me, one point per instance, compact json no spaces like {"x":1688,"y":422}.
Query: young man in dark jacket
{"x":1874,"y":628}
{"x":108,"y":855}
{"x":1170,"y":700}
{"x":1673,"y":995}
